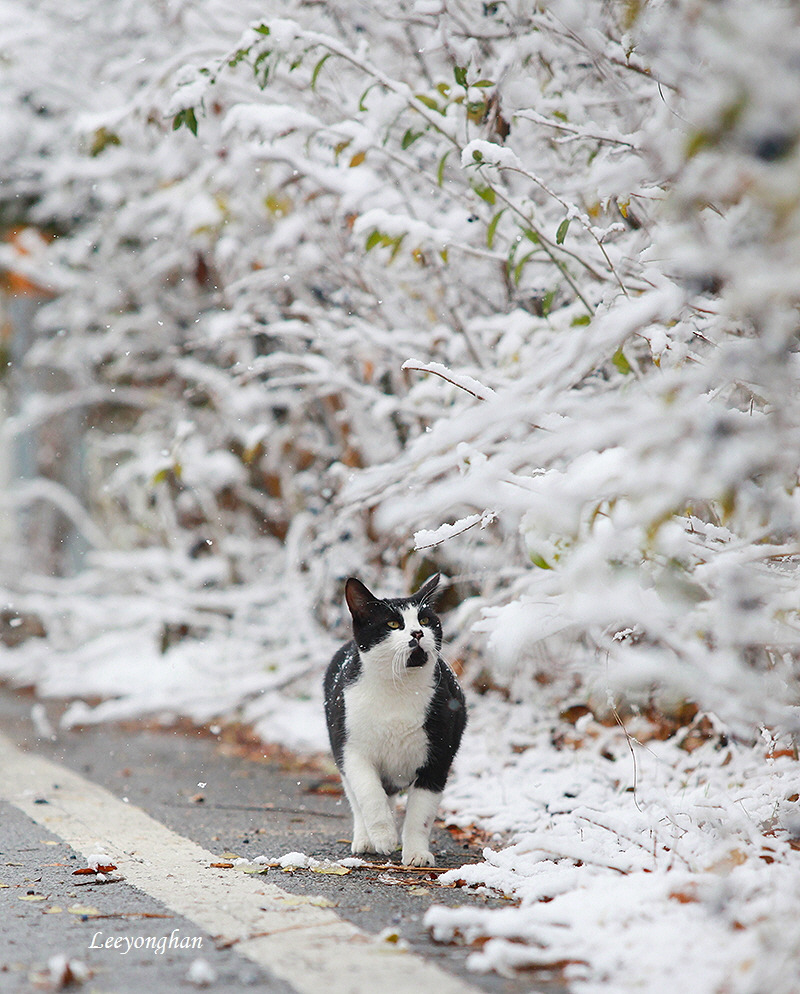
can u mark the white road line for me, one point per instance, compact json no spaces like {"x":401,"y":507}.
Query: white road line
{"x":309,"y":947}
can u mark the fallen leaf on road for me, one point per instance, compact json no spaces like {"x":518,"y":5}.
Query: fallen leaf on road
{"x":330,"y":786}
{"x":52,"y":910}
{"x":316,"y":901}
{"x":334,"y":868}
{"x":100,"y":868}
{"x":221,"y":866}
{"x":469,"y":835}
{"x":393,"y":938}
{"x":31,"y":897}
{"x":83,"y":909}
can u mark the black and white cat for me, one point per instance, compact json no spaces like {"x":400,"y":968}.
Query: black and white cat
{"x":395,"y":715}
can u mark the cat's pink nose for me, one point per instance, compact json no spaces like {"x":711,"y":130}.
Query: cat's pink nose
{"x":416,"y":635}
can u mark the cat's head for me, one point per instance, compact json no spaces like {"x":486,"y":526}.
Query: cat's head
{"x":398,"y":632}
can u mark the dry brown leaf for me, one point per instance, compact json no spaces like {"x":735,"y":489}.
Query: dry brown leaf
{"x":574,"y":712}
{"x":101,"y":868}
{"x":683,"y":897}
{"x":734,"y":858}
{"x":329,"y":787}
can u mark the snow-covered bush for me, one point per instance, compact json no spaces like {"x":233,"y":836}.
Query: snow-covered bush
{"x":595,"y":217}
{"x":577,"y":220}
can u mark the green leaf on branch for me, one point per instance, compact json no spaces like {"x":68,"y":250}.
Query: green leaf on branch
{"x":492,"y":229}
{"x":440,"y":169}
{"x":563,"y":228}
{"x":620,"y":360}
{"x":361,"y":103}
{"x":460,"y":73}
{"x":238,"y":56}
{"x":339,"y":147}
{"x":486,"y":193}
{"x":102,"y":139}
{"x":317,"y":68}
{"x":409,"y":138}
{"x":540,"y":561}
{"x":429,"y":102}
{"x":185,"y":118}
{"x":395,"y":243}
{"x":379,"y":238}
{"x":261,"y":69}
{"x":520,"y":266}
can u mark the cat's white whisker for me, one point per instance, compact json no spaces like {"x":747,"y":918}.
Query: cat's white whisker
{"x":398,"y":665}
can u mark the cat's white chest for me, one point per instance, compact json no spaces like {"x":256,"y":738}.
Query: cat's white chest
{"x":384,"y":721}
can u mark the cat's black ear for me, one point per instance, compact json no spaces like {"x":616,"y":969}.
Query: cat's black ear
{"x":359,"y":598}
{"x":425,"y":592}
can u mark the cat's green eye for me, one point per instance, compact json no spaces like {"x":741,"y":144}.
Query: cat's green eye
{"x":393,"y":623}
{"x":424,"y":619}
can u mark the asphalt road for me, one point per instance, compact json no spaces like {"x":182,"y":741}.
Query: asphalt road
{"x":229,"y":796}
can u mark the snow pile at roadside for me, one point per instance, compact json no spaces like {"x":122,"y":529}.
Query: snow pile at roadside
{"x":677,"y":871}
{"x":124,"y":643}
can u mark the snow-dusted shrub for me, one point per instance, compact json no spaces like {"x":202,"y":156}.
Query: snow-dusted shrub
{"x":578,"y":221}
{"x":593,"y":210}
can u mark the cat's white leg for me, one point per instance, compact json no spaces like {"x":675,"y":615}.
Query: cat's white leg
{"x":360,"y":841}
{"x":421,"y":809}
{"x":371,"y":800}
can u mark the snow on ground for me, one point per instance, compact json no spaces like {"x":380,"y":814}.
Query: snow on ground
{"x":675,"y":870}
{"x":121,"y":644}
{"x":632,"y":864}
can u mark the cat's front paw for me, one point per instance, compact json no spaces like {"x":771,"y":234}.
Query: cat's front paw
{"x":418,"y":857}
{"x":360,"y":843}
{"x":383,"y":840}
